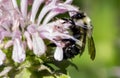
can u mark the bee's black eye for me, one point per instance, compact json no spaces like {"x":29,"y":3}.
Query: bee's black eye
{"x":78,"y":16}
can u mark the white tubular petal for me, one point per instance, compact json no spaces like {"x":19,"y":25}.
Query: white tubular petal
{"x":64,"y":36}
{"x":42,"y":14}
{"x":35,"y":8}
{"x":14,"y":3}
{"x":15,"y":25}
{"x":58,"y":55}
{"x":49,"y":17}
{"x":68,"y":1}
{"x":24,"y":4}
{"x":29,"y":41}
{"x":38,"y":45}
{"x":8,"y":44}
{"x":5,"y":71}
{"x":18,"y":54}
{"x":70,"y":7}
{"x":2,"y":57}
{"x":45,"y":10}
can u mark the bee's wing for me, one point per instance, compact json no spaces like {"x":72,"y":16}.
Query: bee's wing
{"x":91,"y":48}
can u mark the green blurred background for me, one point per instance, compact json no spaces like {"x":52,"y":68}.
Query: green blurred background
{"x":105,"y":16}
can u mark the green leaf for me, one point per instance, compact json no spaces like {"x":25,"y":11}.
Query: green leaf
{"x":25,"y":64}
{"x":58,"y":76}
{"x":63,"y":76}
{"x":48,"y":77}
{"x":25,"y":73}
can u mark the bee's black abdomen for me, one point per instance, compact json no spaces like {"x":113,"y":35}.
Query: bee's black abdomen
{"x":71,"y":49}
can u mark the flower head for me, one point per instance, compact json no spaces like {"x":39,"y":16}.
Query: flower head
{"x":28,"y":28}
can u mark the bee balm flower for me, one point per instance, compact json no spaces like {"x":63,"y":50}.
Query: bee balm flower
{"x":28,"y":28}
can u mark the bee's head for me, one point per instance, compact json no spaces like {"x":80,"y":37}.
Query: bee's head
{"x":81,"y":19}
{"x":78,"y":15}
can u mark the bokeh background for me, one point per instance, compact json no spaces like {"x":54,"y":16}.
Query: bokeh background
{"x":105,"y":16}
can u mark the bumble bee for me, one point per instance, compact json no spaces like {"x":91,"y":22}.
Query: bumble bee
{"x":81,"y":29}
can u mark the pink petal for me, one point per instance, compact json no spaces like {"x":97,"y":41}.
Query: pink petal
{"x":58,"y":55}
{"x":18,"y":54}
{"x":35,"y":8}
{"x":68,"y":1}
{"x":14,"y":3}
{"x":24,"y":5}
{"x":8,"y":44}
{"x":31,"y":28}
{"x":45,"y":10}
{"x":29,"y":41}
{"x":53,"y":13}
{"x":38,"y":44}
{"x":5,"y":71}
